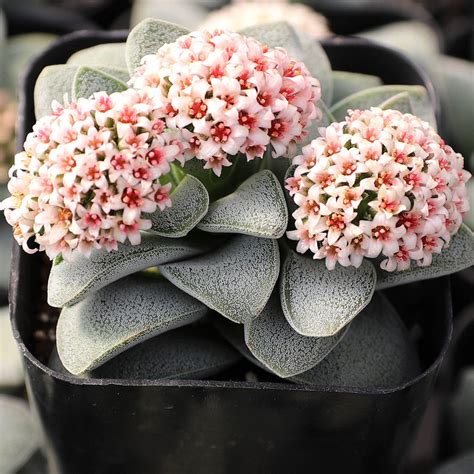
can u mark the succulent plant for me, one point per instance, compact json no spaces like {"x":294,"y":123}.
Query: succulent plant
{"x":220,"y":256}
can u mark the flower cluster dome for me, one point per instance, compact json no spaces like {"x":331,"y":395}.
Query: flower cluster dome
{"x":379,"y":184}
{"x":89,"y":174}
{"x":230,"y":94}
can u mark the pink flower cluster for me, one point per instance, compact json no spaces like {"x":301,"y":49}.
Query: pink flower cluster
{"x":89,"y":173}
{"x":379,"y":184}
{"x":230,"y":94}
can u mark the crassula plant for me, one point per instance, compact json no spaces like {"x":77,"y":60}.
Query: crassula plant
{"x":233,"y":180}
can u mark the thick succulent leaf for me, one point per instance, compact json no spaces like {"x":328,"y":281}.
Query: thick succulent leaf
{"x":235,"y":280}
{"x":256,"y":208}
{"x":147,"y":38}
{"x":102,"y":268}
{"x":374,"y":96}
{"x":120,"y":316}
{"x":20,"y":435}
{"x":88,"y":80}
{"x":279,"y":347}
{"x":318,"y":64}
{"x":11,"y":367}
{"x":347,"y":83}
{"x":318,"y":302}
{"x":277,"y":34}
{"x":108,"y":54}
{"x":190,"y":203}
{"x":417,"y":39}
{"x":190,"y":352}
{"x":458,"y":256}
{"x":399,"y":102}
{"x":375,"y":353}
{"x":54,"y":82}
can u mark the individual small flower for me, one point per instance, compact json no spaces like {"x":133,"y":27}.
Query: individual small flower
{"x":380,"y":184}
{"x":228,"y":94}
{"x":89,"y":175}
{"x":242,"y":14}
{"x":8,"y":111}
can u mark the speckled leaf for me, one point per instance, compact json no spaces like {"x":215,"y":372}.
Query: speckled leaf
{"x":375,"y":353}
{"x":52,"y":84}
{"x":120,"y":316}
{"x":102,"y":268}
{"x":11,"y":367}
{"x":347,"y":83}
{"x":147,"y":38}
{"x":256,"y":208}
{"x":277,"y":34}
{"x":20,"y":435}
{"x":89,"y":80}
{"x":400,"y":102}
{"x":318,"y":302}
{"x":280,"y":348}
{"x":458,"y":256}
{"x":235,"y":280}
{"x":191,"y":352}
{"x":108,"y":54}
{"x":374,"y":96}
{"x":56,"y":81}
{"x":190,"y":204}
{"x":317,"y":63}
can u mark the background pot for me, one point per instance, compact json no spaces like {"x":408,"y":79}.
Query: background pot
{"x":102,"y":426}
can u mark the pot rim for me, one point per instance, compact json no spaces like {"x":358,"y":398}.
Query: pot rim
{"x":17,"y":254}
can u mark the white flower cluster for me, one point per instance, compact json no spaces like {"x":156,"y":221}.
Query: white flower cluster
{"x":379,"y":184}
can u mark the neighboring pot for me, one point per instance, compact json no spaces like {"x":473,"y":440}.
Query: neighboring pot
{"x":213,"y":427}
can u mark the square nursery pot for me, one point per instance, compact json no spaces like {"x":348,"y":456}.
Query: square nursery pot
{"x":219,"y":426}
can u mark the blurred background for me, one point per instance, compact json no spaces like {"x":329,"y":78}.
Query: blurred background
{"x":438,"y":35}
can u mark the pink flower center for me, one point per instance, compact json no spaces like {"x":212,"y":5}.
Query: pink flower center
{"x":409,"y":220}
{"x":194,"y":144}
{"x":402,"y":255}
{"x":336,"y":222}
{"x":265,"y":99}
{"x":103,"y":104}
{"x":310,"y":206}
{"x":170,"y":111}
{"x":278,"y":128}
{"x":132,"y":198}
{"x":400,"y":157}
{"x":348,"y":168}
{"x":197,"y":109}
{"x":429,"y":242}
{"x":324,"y":179}
{"x":93,"y":173}
{"x":128,"y":115}
{"x":384,"y":178}
{"x":247,"y":120}
{"x":128,"y":228}
{"x":118,"y":162}
{"x":381,"y":232}
{"x":92,"y":220}
{"x":158,"y":126}
{"x":413,"y":179}
{"x":161,"y":195}
{"x":389,"y":206}
{"x":220,"y":133}
{"x":156,"y":156}
{"x":141,"y":173}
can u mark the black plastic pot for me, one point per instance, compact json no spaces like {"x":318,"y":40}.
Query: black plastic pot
{"x":214,"y":427}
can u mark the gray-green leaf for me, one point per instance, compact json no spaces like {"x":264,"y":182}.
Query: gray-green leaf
{"x":11,"y":366}
{"x":20,"y":434}
{"x":281,"y":349}
{"x":147,"y":38}
{"x":54,"y":82}
{"x":347,"y":83}
{"x":190,"y":202}
{"x":374,"y":96}
{"x":191,"y":352}
{"x":120,"y":316}
{"x":235,"y":280}
{"x":375,"y":353}
{"x":256,"y":208}
{"x":107,"y":54}
{"x":458,"y":256}
{"x":400,"y":102}
{"x":318,"y":302}
{"x":88,"y":80}
{"x":70,"y":282}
